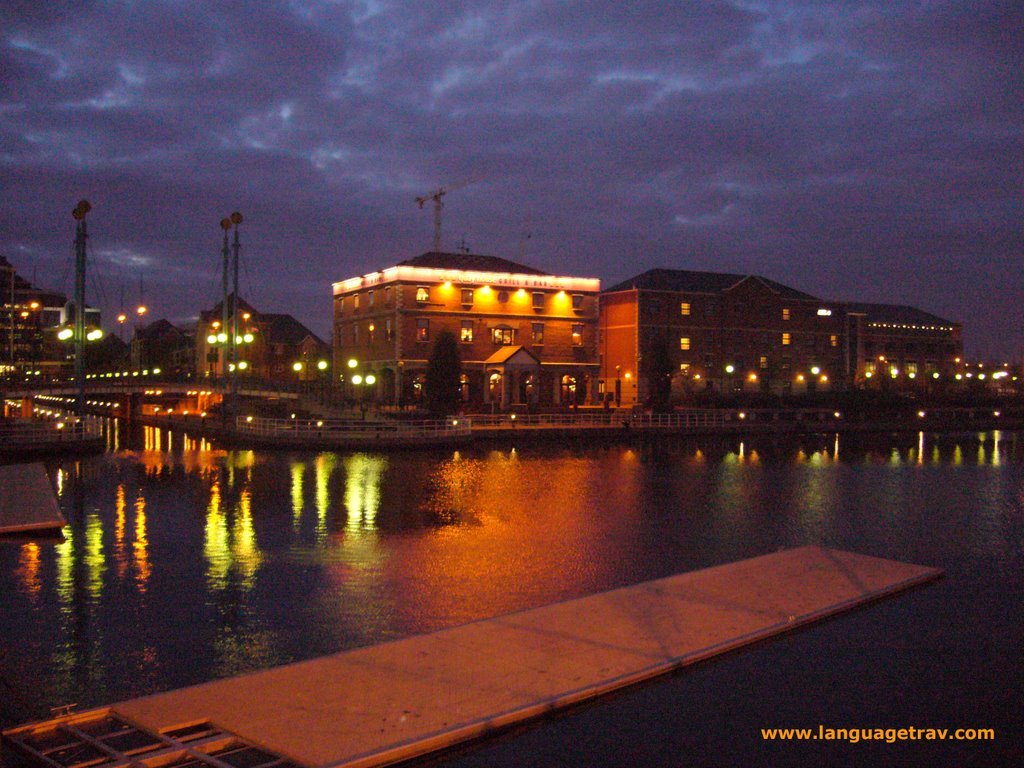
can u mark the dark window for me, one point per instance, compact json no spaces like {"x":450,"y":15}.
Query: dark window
{"x":538,"y":301}
{"x":577,"y":301}
{"x":538,"y":333}
{"x":422,"y":329}
{"x":467,"y":295}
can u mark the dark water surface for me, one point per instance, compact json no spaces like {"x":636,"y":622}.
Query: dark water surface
{"x":184,"y":563}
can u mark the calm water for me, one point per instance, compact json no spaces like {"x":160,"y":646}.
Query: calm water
{"x":184,"y":562}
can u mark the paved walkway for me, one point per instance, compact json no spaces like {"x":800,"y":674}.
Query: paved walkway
{"x":28,"y":502}
{"x":387,"y":702}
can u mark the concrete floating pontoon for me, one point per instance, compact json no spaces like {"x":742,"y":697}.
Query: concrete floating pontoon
{"x":381,"y":704}
{"x":28,"y":503}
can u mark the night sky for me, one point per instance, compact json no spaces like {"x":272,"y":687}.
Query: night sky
{"x":870,"y":151}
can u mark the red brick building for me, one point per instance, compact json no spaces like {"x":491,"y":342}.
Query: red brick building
{"x":526,"y":337}
{"x":270,"y":346}
{"x":726,"y":332}
{"x":901,"y":346}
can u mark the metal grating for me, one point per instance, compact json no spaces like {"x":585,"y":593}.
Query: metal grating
{"x":103,"y":739}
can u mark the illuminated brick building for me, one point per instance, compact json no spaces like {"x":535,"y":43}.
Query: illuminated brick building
{"x":30,"y":320}
{"x":526,"y":337}
{"x":709,"y":330}
{"x":272,"y":347}
{"x":746,"y":333}
{"x":903,"y":346}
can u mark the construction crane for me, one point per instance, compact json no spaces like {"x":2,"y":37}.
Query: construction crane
{"x":436,"y":196}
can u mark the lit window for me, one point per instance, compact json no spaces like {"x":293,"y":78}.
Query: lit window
{"x":538,"y":333}
{"x":371,"y":333}
{"x":577,"y":335}
{"x":355,"y":302}
{"x":833,"y":340}
{"x":389,"y":332}
{"x":684,"y":308}
{"x":786,"y":339}
{"x":422,"y":293}
{"x":764,"y":362}
{"x":684,"y":342}
{"x":684,"y":368}
{"x":785,"y":315}
{"x":466,"y":335}
{"x":467,"y":295}
{"x":577,"y":301}
{"x":503,"y":336}
{"x":870,"y":367}
{"x":422,"y":329}
{"x":538,"y":301}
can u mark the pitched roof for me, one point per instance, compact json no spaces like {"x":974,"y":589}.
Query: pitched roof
{"x":159,"y":328}
{"x":285,"y":329}
{"x":217,"y":311}
{"x":690,"y":281}
{"x":897,"y":314}
{"x":469,"y":261}
{"x":506,"y":354}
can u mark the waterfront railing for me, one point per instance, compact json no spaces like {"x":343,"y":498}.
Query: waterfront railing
{"x":353,"y":429}
{"x":38,"y":433}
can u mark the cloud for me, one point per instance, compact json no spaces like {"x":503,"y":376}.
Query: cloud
{"x":853,"y":149}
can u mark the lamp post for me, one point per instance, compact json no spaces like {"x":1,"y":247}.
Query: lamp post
{"x":81,"y":235}
{"x":229,"y":361}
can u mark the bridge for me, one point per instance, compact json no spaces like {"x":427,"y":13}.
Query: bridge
{"x":126,"y":395}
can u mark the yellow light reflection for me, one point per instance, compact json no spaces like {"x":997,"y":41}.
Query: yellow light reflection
{"x":244,"y":549}
{"x":95,"y":562}
{"x":298,"y":469}
{"x":140,"y":548}
{"x":996,"y":458}
{"x":119,"y":506}
{"x":323,"y":467}
{"x":363,"y":475}
{"x":215,"y":542}
{"x":958,"y":456}
{"x":28,"y":569}
{"x":65,"y":566}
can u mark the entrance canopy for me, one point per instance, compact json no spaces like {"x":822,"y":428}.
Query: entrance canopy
{"x":515,"y":357}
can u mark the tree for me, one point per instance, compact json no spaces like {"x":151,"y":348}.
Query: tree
{"x":444,"y":375}
{"x":660,"y":368}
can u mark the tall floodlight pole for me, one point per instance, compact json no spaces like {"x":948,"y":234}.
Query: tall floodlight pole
{"x":225,"y":224}
{"x":81,"y":235}
{"x":236,"y":219}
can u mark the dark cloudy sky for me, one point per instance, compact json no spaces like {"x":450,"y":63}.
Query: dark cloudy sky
{"x":854,"y":150}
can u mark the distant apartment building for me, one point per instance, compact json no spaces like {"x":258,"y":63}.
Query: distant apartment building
{"x":30,"y":320}
{"x":726,"y":332}
{"x":901,"y":346}
{"x":162,"y":345}
{"x":268,"y":346}
{"x":526,"y":337}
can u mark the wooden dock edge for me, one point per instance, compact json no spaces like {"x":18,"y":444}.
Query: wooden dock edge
{"x":465,"y":733}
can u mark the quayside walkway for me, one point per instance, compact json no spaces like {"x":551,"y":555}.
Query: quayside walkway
{"x":377,"y":705}
{"x":28,"y":502}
